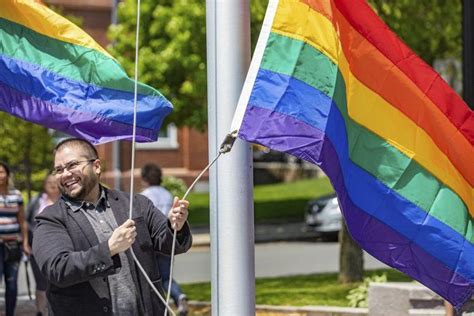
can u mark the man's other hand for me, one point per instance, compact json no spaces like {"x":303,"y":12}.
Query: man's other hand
{"x":178,"y":213}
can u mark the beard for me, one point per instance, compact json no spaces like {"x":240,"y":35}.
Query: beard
{"x":85,"y":184}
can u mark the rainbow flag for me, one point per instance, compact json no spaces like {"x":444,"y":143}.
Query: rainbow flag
{"x":332,"y":84}
{"x":52,"y":73}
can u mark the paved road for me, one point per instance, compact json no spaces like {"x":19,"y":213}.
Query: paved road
{"x":271,"y":259}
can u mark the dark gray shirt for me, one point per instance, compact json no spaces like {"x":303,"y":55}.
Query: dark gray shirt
{"x":123,"y":293}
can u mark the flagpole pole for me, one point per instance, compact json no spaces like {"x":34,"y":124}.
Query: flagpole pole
{"x":231,"y":182}
{"x":116,"y":144}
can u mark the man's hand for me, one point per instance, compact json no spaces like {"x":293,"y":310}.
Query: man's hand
{"x":122,"y":237}
{"x":178,"y":213}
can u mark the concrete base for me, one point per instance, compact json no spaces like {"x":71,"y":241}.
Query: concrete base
{"x":404,"y":298}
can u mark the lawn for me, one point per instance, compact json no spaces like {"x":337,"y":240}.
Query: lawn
{"x":282,"y":202}
{"x":313,"y":289}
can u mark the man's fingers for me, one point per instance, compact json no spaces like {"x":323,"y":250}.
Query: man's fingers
{"x":128,"y":223}
{"x":183,"y":203}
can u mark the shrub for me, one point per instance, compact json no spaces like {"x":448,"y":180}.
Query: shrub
{"x":358,"y":297}
{"x":176,"y":186}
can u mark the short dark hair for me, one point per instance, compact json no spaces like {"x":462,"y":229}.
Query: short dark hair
{"x":6,"y":167}
{"x":151,"y":173}
{"x":84,"y":144}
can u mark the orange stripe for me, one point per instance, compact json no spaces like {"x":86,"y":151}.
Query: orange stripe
{"x":367,"y":64}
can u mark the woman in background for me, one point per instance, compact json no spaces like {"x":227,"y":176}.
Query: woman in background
{"x":13,"y":234}
{"x":49,"y":195}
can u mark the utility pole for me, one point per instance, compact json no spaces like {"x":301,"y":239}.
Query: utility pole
{"x":231,"y":181}
{"x":468,"y":52}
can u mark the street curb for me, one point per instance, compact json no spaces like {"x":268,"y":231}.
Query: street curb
{"x":300,"y":310}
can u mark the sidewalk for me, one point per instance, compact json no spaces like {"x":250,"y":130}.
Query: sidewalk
{"x":263,"y":233}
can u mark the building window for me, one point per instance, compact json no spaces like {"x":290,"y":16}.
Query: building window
{"x":167,"y":139}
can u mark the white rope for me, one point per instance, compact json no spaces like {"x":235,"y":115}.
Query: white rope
{"x":175,"y":232}
{"x":225,"y":147}
{"x":132,"y":182}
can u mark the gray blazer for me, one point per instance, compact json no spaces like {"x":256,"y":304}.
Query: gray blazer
{"x":75,"y":264}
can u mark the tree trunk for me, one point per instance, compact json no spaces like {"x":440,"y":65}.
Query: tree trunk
{"x":351,"y":260}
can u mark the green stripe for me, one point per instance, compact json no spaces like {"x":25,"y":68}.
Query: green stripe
{"x":371,"y":152}
{"x":71,"y":61}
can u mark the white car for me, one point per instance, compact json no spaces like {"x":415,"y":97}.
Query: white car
{"x":324,"y":216}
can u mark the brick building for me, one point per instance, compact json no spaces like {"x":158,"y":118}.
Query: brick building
{"x":181,"y":152}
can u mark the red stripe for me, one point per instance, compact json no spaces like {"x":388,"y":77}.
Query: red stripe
{"x":369,"y":25}
{"x":366,"y":62}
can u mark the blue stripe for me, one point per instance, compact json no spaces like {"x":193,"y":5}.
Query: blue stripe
{"x":289,"y":96}
{"x":92,"y":127}
{"x":114,"y":104}
{"x":380,"y":240}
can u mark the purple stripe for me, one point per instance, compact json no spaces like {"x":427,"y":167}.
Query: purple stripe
{"x":375,"y":237}
{"x":95,"y":128}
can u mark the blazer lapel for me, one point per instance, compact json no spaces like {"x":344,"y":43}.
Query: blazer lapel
{"x":85,"y":226}
{"x":118,"y":207}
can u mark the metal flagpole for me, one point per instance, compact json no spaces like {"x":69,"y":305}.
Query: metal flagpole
{"x":116,"y":144}
{"x":231,"y":182}
{"x":468,"y":52}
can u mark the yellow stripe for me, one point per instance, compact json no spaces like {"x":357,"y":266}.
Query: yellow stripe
{"x":41,"y":19}
{"x":366,"y":107}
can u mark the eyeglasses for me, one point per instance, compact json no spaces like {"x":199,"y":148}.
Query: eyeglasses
{"x":70,"y":166}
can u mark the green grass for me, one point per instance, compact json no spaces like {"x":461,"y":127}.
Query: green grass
{"x":313,"y":289}
{"x":282,"y":202}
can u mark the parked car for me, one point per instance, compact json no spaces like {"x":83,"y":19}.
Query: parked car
{"x":324,"y":216}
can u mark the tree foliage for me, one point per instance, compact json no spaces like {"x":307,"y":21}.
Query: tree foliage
{"x":27,"y":148}
{"x":432,"y":28}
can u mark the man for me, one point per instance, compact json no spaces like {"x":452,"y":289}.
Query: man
{"x":81,"y":242}
{"x":163,"y":199}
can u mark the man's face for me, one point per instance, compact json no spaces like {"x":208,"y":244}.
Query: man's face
{"x":77,"y":174}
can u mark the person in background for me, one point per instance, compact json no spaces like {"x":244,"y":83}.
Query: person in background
{"x":448,"y":308}
{"x":49,"y":195}
{"x":13,"y":233}
{"x":163,"y":200}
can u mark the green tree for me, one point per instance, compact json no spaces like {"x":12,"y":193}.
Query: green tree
{"x":432,"y":28}
{"x":172,"y":51}
{"x":27,"y":148}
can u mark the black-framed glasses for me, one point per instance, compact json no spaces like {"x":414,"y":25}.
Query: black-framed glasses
{"x":70,"y":166}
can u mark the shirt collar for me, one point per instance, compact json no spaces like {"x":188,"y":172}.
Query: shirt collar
{"x":75,"y":205}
